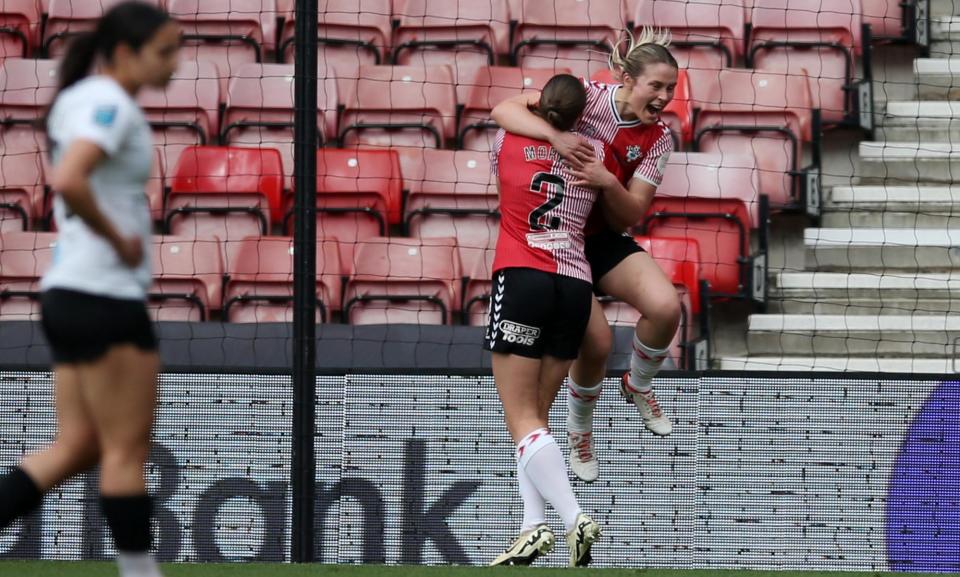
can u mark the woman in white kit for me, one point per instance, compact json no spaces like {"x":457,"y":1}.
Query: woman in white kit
{"x":93,"y":305}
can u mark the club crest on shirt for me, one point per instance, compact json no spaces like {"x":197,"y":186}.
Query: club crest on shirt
{"x":105,"y":115}
{"x":634,"y":153}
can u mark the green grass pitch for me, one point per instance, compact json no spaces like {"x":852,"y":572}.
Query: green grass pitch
{"x":91,"y":569}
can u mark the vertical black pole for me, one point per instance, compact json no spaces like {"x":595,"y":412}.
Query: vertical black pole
{"x":302,"y":466}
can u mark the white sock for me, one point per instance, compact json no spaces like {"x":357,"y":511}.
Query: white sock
{"x":138,"y":565}
{"x":645,"y":363}
{"x":540,"y":457}
{"x":580,"y":404}
{"x":534,"y":507}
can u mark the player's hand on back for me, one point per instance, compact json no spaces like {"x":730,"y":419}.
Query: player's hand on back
{"x":593,"y":174}
{"x":574,"y":149}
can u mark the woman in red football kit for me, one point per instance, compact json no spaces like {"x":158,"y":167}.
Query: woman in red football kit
{"x":539,"y":311}
{"x":627,"y":118}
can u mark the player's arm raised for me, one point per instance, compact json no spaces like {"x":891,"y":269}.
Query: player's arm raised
{"x":514,"y":115}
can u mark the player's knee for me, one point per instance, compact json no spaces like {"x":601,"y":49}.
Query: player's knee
{"x":665,"y":312}
{"x":121,"y":455}
{"x":80,"y":449}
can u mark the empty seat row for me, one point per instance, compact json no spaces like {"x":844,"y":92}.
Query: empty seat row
{"x":389,"y":280}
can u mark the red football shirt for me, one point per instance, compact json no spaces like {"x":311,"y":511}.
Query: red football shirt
{"x":543,"y":214}
{"x":641,"y":150}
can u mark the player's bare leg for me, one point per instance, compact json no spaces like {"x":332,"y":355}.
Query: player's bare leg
{"x":541,"y":471}
{"x":75,"y":449}
{"x":120,"y":391}
{"x":639,"y":282}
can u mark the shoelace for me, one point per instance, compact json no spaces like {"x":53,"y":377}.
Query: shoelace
{"x":651,"y":401}
{"x":581,"y":442}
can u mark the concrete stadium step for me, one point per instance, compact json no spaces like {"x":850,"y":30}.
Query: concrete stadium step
{"x":920,"y":121}
{"x":937,"y":78}
{"x":853,"y":335}
{"x":945,"y":36}
{"x":910,"y":162}
{"x":867,"y":249}
{"x":892,"y":207}
{"x":939,"y":8}
{"x":877,"y":293}
{"x":847,"y":364}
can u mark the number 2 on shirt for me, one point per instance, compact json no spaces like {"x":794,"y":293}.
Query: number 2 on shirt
{"x":538,"y":217}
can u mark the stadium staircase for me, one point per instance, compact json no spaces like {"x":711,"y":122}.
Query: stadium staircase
{"x":881,"y":286}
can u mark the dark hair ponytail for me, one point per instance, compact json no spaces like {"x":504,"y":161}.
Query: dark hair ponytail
{"x":131,"y":23}
{"x":561,"y":102}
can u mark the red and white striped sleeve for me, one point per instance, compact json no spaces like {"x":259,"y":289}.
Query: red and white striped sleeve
{"x":495,"y":152}
{"x":650,"y":169}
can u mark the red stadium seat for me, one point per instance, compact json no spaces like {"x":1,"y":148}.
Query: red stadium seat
{"x":24,"y":257}
{"x":259,"y":284}
{"x":489,"y":87}
{"x":229,"y":33}
{"x":400,"y":106}
{"x":359,"y":193}
{"x":768,"y":114}
{"x":187,"y":278}
{"x":465,"y":34}
{"x":186,"y":112}
{"x":816,"y":38}
{"x":679,"y":258}
{"x":67,"y":18}
{"x":19,"y":28}
{"x":399,"y":280}
{"x":451,"y":194}
{"x":569,"y":33}
{"x":21,"y":178}
{"x":350,"y":32}
{"x":260,"y":113}
{"x":713,"y":199}
{"x":227,"y":192}
{"x":476,"y":292}
{"x":707,"y":34}
{"x":26,"y":90}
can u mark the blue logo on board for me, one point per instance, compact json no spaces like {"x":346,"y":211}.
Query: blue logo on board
{"x":923,"y":502}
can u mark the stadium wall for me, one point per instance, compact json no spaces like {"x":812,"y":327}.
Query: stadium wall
{"x":762,"y":471}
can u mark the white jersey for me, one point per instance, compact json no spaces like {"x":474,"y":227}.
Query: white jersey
{"x":98,"y":110}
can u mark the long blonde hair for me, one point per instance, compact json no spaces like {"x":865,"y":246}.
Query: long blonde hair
{"x":649,"y":48}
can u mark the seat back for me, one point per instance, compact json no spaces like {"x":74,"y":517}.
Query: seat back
{"x":400,"y":106}
{"x":707,"y":34}
{"x":19,"y":28}
{"x":21,"y":177}
{"x":260,"y":280}
{"x":186,"y":112}
{"x":545,"y":30}
{"x":67,"y":18}
{"x":809,"y":23}
{"x":765,"y":113}
{"x":397,"y":280}
{"x":471,"y":34}
{"x":24,"y":257}
{"x":228,"y":185}
{"x":229,"y":33}
{"x":26,"y":88}
{"x":187,"y":278}
{"x":490,"y":86}
{"x":354,"y":32}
